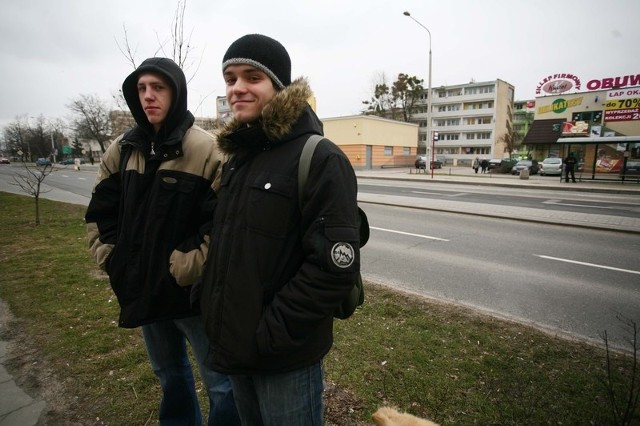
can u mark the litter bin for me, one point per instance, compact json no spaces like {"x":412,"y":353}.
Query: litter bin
{"x":524,"y":174}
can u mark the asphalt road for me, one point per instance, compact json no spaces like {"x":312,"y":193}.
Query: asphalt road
{"x":570,"y":281}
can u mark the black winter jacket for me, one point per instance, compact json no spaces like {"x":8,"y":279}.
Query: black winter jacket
{"x":275,"y":275}
{"x":148,"y":223}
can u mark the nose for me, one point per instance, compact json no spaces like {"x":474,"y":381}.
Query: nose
{"x":239,"y":86}
{"x":148,"y":93}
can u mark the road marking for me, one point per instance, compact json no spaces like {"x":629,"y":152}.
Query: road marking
{"x":588,"y":264}
{"x":460,"y":194}
{"x":426,"y":193}
{"x":409,"y":234}
{"x":560,"y":203}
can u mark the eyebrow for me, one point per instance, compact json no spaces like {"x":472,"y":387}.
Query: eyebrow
{"x":247,"y":69}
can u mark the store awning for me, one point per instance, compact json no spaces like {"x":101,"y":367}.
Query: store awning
{"x":542,"y":132}
{"x":599,"y":139}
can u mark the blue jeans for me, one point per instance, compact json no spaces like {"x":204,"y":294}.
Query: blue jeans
{"x":166,"y":346}
{"x":291,"y":399}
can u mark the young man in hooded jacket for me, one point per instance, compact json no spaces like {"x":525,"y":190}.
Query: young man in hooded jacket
{"x":274,"y":274}
{"x":147,"y":224}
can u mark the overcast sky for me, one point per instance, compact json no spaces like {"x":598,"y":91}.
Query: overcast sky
{"x":54,"y":51}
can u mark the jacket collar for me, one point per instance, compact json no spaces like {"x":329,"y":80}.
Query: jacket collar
{"x":279,"y":118}
{"x":166,"y":149}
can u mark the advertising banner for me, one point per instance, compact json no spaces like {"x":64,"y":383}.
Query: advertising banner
{"x":622,"y":105}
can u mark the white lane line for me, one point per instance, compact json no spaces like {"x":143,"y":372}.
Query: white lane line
{"x":409,"y":234}
{"x":426,"y":193}
{"x":461,"y":194}
{"x":588,"y":264}
{"x":560,"y":203}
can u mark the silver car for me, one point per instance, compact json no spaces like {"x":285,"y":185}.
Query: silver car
{"x":551,"y":166}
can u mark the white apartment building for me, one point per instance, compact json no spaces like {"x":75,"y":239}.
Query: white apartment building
{"x":470,"y":120}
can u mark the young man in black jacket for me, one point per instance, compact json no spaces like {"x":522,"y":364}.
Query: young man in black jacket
{"x":274,"y":274}
{"x":148,"y":225}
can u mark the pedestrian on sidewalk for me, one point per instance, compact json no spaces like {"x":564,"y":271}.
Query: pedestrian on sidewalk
{"x":476,"y":164}
{"x":484,"y":164}
{"x":569,"y":167}
{"x":147,"y":222}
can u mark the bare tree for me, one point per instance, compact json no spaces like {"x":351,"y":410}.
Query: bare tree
{"x":181,"y":49}
{"x":381,"y":103}
{"x":16,"y":138}
{"x":91,"y":119}
{"x":31,"y":183}
{"x":29,"y":138}
{"x":400,"y":98}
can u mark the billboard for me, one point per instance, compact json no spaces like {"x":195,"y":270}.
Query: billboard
{"x":622,"y":105}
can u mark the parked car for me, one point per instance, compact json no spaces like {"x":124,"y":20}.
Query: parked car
{"x":43,"y":162}
{"x":494,"y":163}
{"x":531,"y":165}
{"x":71,"y":161}
{"x":4,"y":160}
{"x":421,"y":163}
{"x":551,"y":166}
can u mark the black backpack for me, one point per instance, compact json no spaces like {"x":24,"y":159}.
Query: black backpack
{"x":356,"y":296}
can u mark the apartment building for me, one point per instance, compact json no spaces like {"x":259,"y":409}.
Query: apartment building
{"x":470,"y":120}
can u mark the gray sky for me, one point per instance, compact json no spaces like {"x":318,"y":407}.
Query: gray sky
{"x":54,"y":51}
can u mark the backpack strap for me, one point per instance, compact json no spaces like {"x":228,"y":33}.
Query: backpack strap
{"x":305,"y":164}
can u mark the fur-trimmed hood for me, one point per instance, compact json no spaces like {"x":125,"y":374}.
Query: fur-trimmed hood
{"x":285,"y":117}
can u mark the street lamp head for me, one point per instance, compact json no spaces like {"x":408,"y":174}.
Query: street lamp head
{"x":406,"y":13}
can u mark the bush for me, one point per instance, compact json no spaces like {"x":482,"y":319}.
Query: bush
{"x":506,"y":166}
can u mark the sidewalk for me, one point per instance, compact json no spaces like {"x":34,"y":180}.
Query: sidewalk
{"x":16,"y":407}
{"x":466,"y":176}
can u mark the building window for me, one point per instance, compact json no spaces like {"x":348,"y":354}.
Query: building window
{"x":406,"y":151}
{"x":388,"y":151}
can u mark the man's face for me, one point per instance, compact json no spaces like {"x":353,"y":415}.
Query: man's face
{"x":248,"y":91}
{"x":155,"y":97}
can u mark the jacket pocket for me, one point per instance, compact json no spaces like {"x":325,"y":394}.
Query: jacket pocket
{"x":270,"y":205}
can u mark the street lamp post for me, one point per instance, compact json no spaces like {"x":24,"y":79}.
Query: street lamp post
{"x":53,"y":149}
{"x":429,"y":135}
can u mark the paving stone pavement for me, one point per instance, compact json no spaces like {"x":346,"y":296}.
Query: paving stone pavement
{"x":16,"y":407}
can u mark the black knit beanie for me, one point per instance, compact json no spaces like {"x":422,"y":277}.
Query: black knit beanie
{"x":264,"y":53}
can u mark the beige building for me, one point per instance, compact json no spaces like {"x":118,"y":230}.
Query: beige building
{"x":470,"y":120}
{"x":373,"y":142}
